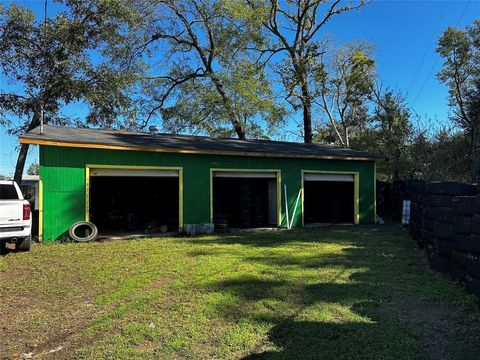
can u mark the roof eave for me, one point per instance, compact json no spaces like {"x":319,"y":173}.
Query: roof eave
{"x":32,"y":141}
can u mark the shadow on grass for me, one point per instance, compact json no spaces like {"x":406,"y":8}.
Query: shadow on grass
{"x":321,"y":340}
{"x":339,"y":314}
{"x":250,"y":288}
{"x":331,"y":234}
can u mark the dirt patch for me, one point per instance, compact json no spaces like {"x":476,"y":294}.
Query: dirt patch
{"x":442,"y":330}
{"x":51,"y":332}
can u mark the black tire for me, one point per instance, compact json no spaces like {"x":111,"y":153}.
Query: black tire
{"x":462,"y":224}
{"x":416,"y":186}
{"x":476,"y":203}
{"x":429,"y":224}
{"x":416,"y":198}
{"x":438,"y":200}
{"x":463,"y":205}
{"x":430,"y":213}
{"x":450,"y":188}
{"x":459,"y":259}
{"x":92,"y":236}
{"x":473,"y":265}
{"x":465,"y":243}
{"x":442,"y":230}
{"x":458,"y":274}
{"x":442,"y":214}
{"x":442,"y":247}
{"x":475,"y":228}
{"x":440,"y":263}
{"x":427,"y":236}
{"x":472,"y":285}
{"x":24,"y":244}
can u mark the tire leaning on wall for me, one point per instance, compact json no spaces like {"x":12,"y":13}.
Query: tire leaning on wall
{"x":91,"y":237}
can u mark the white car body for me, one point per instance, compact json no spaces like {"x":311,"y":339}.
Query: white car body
{"x":15,"y":214}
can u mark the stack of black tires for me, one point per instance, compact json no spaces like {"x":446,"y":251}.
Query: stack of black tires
{"x":416,"y":192}
{"x":398,"y":194}
{"x":445,"y":220}
{"x":438,"y":232}
{"x":466,"y":242}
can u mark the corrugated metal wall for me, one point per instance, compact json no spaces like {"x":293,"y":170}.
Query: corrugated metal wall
{"x":63,"y":174}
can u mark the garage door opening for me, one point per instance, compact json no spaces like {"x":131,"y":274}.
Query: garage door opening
{"x":244,"y":200}
{"x":141,"y":201}
{"x":329,"y":199}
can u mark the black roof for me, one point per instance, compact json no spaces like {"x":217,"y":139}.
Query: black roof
{"x":68,"y":136}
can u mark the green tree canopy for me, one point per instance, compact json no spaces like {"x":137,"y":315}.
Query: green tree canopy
{"x":49,"y":63}
{"x":200,"y":73}
{"x":460,"y":50}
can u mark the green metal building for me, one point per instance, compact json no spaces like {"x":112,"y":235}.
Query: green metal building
{"x":124,"y":181}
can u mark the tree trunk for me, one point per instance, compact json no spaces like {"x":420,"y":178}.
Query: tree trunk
{"x":475,"y":155}
{"x":307,"y":114}
{"x":396,"y":163}
{"x":22,"y":156}
{"x":239,"y":130}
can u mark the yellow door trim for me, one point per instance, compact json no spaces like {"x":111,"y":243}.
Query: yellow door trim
{"x":303,"y":199}
{"x":279,"y":198}
{"x":133,"y":167}
{"x":87,"y":193}
{"x":279,"y":182}
{"x":180,"y":199}
{"x":40,"y":210}
{"x":101,"y":166}
{"x":356,"y":191}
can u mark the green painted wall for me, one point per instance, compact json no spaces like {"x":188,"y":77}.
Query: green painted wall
{"x":62,"y":171}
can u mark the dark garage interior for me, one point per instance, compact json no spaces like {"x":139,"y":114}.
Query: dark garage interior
{"x":244,"y":202}
{"x":328,"y":202}
{"x":145,"y":204}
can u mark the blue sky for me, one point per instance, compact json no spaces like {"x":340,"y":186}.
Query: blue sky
{"x":404,"y":34}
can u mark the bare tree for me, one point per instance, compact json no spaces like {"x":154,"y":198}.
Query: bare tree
{"x":295,"y":26}
{"x":343,"y":87}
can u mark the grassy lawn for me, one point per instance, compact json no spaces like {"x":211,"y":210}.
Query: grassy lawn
{"x":332,"y":293}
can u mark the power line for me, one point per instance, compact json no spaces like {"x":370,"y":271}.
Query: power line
{"x":438,"y":58}
{"x":428,"y":46}
{"x":463,"y":13}
{"x":426,"y":80}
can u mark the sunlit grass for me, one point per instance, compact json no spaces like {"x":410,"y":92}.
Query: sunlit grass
{"x":299,"y":294}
